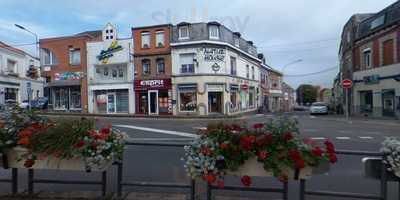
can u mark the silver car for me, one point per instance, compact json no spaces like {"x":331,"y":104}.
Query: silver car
{"x":319,"y":108}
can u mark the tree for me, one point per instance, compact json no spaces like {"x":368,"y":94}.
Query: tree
{"x":306,"y":94}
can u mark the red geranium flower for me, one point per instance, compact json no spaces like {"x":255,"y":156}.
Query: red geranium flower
{"x":210,"y":178}
{"x":263,"y":155}
{"x":246,"y":142}
{"x":80,"y":144}
{"x":258,"y":125}
{"x":300,"y":164}
{"x":105,"y":131}
{"x":24,"y":141}
{"x":29,"y":163}
{"x":236,"y":127}
{"x":287,"y":136}
{"x":246,"y":180}
{"x":332,"y":158}
{"x":205,"y":151}
{"x":330,"y":148}
{"x":317,"y":151}
{"x":224,"y":146}
{"x":36,"y":126}
{"x":25,"y":133}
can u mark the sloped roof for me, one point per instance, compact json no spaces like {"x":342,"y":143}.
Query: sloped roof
{"x":13,"y":49}
{"x":95,"y":34}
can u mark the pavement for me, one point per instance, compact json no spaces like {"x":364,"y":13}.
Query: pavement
{"x":163,"y":164}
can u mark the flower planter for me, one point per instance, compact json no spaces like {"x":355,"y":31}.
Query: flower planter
{"x":51,"y":162}
{"x":256,"y":169}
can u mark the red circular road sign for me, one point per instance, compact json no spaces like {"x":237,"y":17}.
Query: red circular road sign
{"x":347,"y":83}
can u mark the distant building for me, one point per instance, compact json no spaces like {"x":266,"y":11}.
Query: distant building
{"x":18,"y":69}
{"x":289,"y":100}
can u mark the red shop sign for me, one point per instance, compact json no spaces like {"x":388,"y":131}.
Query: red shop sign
{"x":153,"y":84}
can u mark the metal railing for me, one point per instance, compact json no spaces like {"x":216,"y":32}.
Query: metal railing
{"x":122,"y":183}
{"x":13,"y":180}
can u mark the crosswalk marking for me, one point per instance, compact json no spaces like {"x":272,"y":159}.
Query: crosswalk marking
{"x":366,"y":137}
{"x":318,"y":138}
{"x":159,"y":131}
{"x":343,"y":138}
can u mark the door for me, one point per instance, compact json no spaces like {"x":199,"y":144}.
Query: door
{"x":388,"y":103}
{"x":111,"y":105}
{"x":215,"y":102}
{"x":153,"y":102}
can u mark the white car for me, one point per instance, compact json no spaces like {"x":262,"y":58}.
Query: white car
{"x":24,"y":104}
{"x":319,"y":108}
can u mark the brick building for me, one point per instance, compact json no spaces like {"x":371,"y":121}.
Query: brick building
{"x":152,"y":60}
{"x":64,"y":66}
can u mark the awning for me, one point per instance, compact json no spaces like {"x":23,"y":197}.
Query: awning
{"x":61,"y":83}
{"x":187,"y":87}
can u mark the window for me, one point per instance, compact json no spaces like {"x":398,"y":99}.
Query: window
{"x":11,"y":94}
{"x":160,"y":38}
{"x":183,"y":32}
{"x":388,"y":52}
{"x":251,"y":97}
{"x":120,"y":72}
{"x":247,"y":71}
{"x":367,"y":58}
{"x":114,"y":73}
{"x":105,"y":71}
{"x":377,"y":22}
{"x":160,"y":66}
{"x":233,"y":66}
{"x":48,"y":57}
{"x":187,"y":64}
{"x":188,"y":100}
{"x":146,"y":67}
{"x":74,"y":56}
{"x":145,"y":40}
{"x":11,"y":66}
{"x":252,"y":73}
{"x":213,"y":31}
{"x":236,"y":41}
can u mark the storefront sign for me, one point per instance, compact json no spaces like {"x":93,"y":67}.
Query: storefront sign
{"x":153,"y":84}
{"x":369,"y":80}
{"x":67,"y":76}
{"x":109,"y":52}
{"x":213,"y":54}
{"x":215,"y":88}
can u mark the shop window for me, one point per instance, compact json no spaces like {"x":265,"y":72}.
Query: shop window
{"x":233,"y":66}
{"x":213,"y":31}
{"x":163,"y":104}
{"x":183,"y":32}
{"x":234,"y":101}
{"x":188,"y":100}
{"x":145,"y":37}
{"x":74,"y":56}
{"x":160,"y":38}
{"x":146,"y":67}
{"x":122,"y":101}
{"x":160,"y":66}
{"x":75,"y":98}
{"x":143,"y":106}
{"x":61,"y":98}
{"x":187,"y":63}
{"x":367,"y":58}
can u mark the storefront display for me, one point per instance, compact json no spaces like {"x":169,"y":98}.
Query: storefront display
{"x":187,"y":98}
{"x":112,"y":101}
{"x":67,"y":98}
{"x":153,"y":97}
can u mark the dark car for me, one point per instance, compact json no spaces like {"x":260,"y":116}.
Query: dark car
{"x":40,"y":103}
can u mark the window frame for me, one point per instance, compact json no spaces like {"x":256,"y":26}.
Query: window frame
{"x":366,"y":52}
{"x":253,"y":77}
{"x":158,"y":61}
{"x":180,"y":37}
{"x":146,"y":61}
{"x":142,"y":44}
{"x":71,"y":56}
{"x":160,"y":32}
{"x":233,"y":67}
{"x":180,"y":101}
{"x":210,"y":27}
{"x":15,"y":66}
{"x":247,"y":71}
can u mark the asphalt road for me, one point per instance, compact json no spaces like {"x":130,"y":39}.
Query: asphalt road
{"x":147,"y":163}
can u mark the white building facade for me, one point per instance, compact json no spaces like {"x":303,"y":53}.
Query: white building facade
{"x":212,"y":74}
{"x":110,"y":74}
{"x":14,"y":81}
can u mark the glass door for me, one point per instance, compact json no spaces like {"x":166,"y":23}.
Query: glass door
{"x":111,"y":106}
{"x":153,"y":102}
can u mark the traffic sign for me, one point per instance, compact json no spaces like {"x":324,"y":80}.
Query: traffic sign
{"x":347,"y":83}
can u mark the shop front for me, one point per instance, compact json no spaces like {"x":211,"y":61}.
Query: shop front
{"x":153,"y":97}
{"x":65,"y":93}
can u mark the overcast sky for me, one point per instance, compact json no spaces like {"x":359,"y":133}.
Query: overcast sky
{"x":284,"y":30}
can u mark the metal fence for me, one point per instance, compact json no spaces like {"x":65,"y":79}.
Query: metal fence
{"x":13,"y":180}
{"x":122,"y":184}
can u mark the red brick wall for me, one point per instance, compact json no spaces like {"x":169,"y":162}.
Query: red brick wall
{"x":153,"y":49}
{"x":375,"y":52}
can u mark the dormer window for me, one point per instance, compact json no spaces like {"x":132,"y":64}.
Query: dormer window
{"x":145,"y":40}
{"x":183,"y":32}
{"x":213,"y":31}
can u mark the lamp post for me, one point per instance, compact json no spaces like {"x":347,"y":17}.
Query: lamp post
{"x":28,"y":84}
{"x":36,"y":37}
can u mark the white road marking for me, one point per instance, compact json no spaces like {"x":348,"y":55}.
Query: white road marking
{"x":259,"y":115}
{"x":318,"y":138}
{"x":200,"y":128}
{"x":312,"y":117}
{"x":343,"y":138}
{"x":183,"y":134}
{"x":345,"y":131}
{"x":366,"y":137}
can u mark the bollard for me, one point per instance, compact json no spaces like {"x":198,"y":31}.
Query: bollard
{"x":14,"y":187}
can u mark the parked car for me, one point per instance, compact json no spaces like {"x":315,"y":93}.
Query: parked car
{"x":300,"y":108}
{"x":40,"y":103}
{"x":24,"y":104}
{"x":319,"y":108}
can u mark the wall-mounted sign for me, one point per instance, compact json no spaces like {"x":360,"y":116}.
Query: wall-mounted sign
{"x":215,"y":67}
{"x":109,"y":52}
{"x":153,"y":84}
{"x":67,"y":76}
{"x":213,"y":54}
{"x":369,"y":80}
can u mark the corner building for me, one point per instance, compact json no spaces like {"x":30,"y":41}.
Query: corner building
{"x":214,"y":71}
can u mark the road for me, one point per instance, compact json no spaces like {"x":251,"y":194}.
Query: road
{"x":145,"y":163}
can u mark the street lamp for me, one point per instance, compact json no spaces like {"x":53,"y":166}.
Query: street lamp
{"x":36,"y":37}
{"x":291,"y":63}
